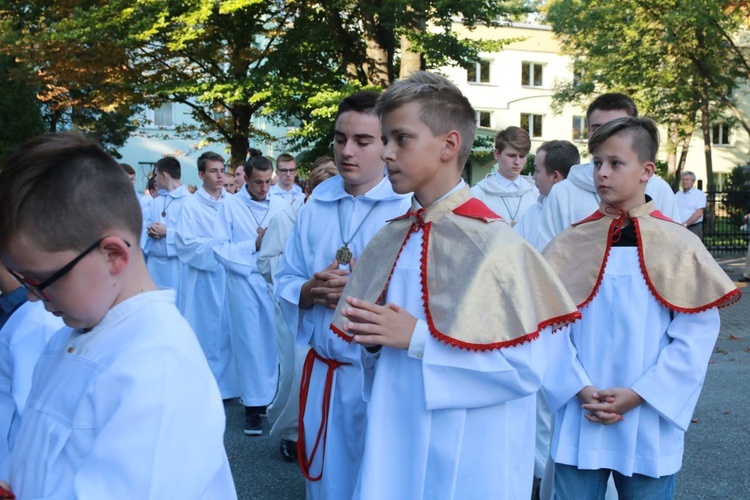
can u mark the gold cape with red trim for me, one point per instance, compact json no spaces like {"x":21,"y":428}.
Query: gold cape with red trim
{"x":678,"y":269}
{"x":483,"y":286}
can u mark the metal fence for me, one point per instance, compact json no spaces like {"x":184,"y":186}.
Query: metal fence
{"x":725,"y":221}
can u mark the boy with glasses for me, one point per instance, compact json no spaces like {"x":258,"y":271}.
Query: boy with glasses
{"x":286,"y":172}
{"x":106,"y":412}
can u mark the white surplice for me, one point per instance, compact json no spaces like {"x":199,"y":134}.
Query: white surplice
{"x":249,"y":308}
{"x":311,"y":248}
{"x":283,"y":413}
{"x":292,"y":196}
{"x":638,"y":345}
{"x":528,"y":226}
{"x":126,"y":410}
{"x":445,"y":422}
{"x":22,"y":339}
{"x":162,"y":261}
{"x":508,"y":199}
{"x":575,"y":198}
{"x":202,"y":291}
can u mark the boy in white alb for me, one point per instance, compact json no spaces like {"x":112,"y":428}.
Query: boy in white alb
{"x":204,"y":280}
{"x":626,"y":378}
{"x":444,"y":289}
{"x":115,"y":394}
{"x":551,"y":165}
{"x":576,"y":197}
{"x":283,"y":413}
{"x":240,"y":226}
{"x":330,"y":233}
{"x":285,"y":187}
{"x":507,"y":192}
{"x":160,"y":218}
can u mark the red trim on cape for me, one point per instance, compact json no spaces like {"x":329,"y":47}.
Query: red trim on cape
{"x":599,"y":278}
{"x":476,"y":209}
{"x":560,"y":320}
{"x":348,"y":338}
{"x":658,"y":215}
{"x":726,"y":300}
{"x":593,"y":217}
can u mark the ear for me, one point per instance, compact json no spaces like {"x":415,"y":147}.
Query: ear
{"x":648,"y":170}
{"x":451,"y":146}
{"x":118,"y":253}
{"x":496,"y":154}
{"x":201,"y":175}
{"x":557,"y":177}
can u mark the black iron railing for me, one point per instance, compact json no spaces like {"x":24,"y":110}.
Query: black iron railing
{"x":725,"y":221}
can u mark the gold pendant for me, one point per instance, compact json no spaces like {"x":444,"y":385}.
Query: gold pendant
{"x":344,"y":255}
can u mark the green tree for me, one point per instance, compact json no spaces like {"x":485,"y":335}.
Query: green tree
{"x":20,"y":115}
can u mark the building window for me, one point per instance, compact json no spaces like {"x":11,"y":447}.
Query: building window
{"x":531,"y":74}
{"x":720,"y":134}
{"x":484,"y":119}
{"x":163,"y":116}
{"x":532,"y":124}
{"x":580,"y":128}
{"x":478,"y":72}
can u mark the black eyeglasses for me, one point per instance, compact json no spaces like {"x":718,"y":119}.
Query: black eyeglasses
{"x":286,"y":170}
{"x":38,"y":288}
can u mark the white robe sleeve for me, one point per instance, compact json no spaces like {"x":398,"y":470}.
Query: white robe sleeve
{"x":494,"y":376}
{"x":273,"y":245}
{"x":288,"y":280}
{"x":194,"y":248}
{"x":147,"y":221}
{"x":565,"y":376}
{"x":673,"y":384}
{"x":241,"y":257}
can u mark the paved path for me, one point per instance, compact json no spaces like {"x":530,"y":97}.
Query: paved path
{"x":716,"y":448}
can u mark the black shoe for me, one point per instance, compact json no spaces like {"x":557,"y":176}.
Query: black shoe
{"x":744,"y":279}
{"x":252,"y":424}
{"x":288,"y":450}
{"x":263,"y":410}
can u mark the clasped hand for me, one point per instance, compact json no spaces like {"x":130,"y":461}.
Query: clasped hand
{"x":608,"y":406}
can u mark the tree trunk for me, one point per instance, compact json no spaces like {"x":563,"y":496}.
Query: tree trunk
{"x":681,"y":163}
{"x":410,"y":61}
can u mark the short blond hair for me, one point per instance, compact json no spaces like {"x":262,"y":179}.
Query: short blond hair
{"x":442,"y":106}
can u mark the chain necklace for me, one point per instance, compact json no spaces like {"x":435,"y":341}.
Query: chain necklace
{"x":167,"y":201}
{"x":259,"y":230}
{"x":512,"y":216}
{"x":344,"y":254}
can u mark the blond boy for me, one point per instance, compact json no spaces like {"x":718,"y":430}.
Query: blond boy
{"x":436,"y":297}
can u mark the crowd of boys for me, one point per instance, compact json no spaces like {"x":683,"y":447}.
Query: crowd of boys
{"x":412,"y":338}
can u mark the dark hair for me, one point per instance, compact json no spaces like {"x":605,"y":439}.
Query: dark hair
{"x":442,"y":107}
{"x":284,"y":158}
{"x":613,"y":101}
{"x":515,"y":137}
{"x":360,"y":102}
{"x":207,"y":157}
{"x":256,"y":162}
{"x":128,"y":169}
{"x":561,"y":155}
{"x":643,"y":131}
{"x":170,"y":165}
{"x":151,"y":183}
{"x":64,"y":192}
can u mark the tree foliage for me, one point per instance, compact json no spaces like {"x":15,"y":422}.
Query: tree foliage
{"x":20,"y":116}
{"x":231,"y":61}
